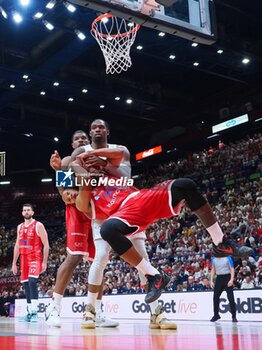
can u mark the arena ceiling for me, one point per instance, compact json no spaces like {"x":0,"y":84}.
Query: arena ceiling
{"x":166,"y":94}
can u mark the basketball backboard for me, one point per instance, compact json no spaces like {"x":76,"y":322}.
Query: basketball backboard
{"x":191,"y":19}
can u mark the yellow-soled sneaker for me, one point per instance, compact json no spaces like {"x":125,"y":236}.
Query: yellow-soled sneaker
{"x":89,"y":317}
{"x":159,"y":321}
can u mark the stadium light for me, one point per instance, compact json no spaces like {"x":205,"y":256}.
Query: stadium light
{"x":3,"y":13}
{"x":38,"y":15}
{"x":70,"y":7}
{"x":48,"y":25}
{"x":50,"y":4}
{"x":80,"y":35}
{"x":24,"y":2}
{"x":5,"y":182}
{"x":17,"y":17}
{"x":245,"y":60}
{"x":56,"y":139}
{"x":47,"y":180}
{"x":129,"y":101}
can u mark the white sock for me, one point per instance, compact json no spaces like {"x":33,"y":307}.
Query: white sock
{"x":146,"y":268}
{"x":57,"y":298}
{"x":153,"y":306}
{"x":98,"y":305}
{"x":215,"y":233}
{"x":34,"y":303}
{"x":91,"y":298}
{"x":29,"y":308}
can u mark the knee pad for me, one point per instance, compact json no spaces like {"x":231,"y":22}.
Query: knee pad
{"x":99,"y":263}
{"x":186,"y":189}
{"x":139,"y":245}
{"x":113,"y":231}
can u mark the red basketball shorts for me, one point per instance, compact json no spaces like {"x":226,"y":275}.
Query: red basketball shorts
{"x":30,"y":267}
{"x":148,"y":206}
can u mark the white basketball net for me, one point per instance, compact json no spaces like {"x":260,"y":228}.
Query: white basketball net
{"x":115,"y":37}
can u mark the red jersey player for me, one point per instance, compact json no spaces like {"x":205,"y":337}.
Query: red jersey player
{"x":129,"y":211}
{"x":33,"y":247}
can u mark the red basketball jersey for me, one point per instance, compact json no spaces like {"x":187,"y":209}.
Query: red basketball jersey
{"x":29,"y":241}
{"x":107,"y":199}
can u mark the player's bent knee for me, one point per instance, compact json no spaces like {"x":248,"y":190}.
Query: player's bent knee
{"x":186,"y":189}
{"x":109,"y":229}
{"x":73,"y":260}
{"x":113,"y":231}
{"x":184,"y":184}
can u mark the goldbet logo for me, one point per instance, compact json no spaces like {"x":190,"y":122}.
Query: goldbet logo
{"x":248,"y":306}
{"x":181,"y":307}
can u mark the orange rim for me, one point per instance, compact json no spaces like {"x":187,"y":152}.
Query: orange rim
{"x":108,"y":15}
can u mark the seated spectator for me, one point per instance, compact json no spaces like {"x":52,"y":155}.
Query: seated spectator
{"x":247,"y":283}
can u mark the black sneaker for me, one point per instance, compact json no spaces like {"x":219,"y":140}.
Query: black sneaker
{"x":215,"y":318}
{"x":234,"y":319}
{"x":230,"y":247}
{"x":156,"y":284}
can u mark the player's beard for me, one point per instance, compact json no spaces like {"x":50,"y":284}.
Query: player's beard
{"x":28,"y":216}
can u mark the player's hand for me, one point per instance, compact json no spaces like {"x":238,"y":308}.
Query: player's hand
{"x":79,"y":169}
{"x":82,"y":157}
{"x":95,"y":162}
{"x":230,"y":283}
{"x":44,"y":266}
{"x":55,"y":161}
{"x":212,"y":284}
{"x":14,"y":269}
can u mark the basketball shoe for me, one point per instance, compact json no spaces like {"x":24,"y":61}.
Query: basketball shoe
{"x":89,"y":317}
{"x":34,"y":317}
{"x":27,"y":317}
{"x":52,"y":315}
{"x":158,"y":320}
{"x":103,"y":321}
{"x":156,"y":284}
{"x":230,"y":247}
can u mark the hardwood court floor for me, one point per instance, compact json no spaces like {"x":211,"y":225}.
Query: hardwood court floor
{"x":131,"y":335}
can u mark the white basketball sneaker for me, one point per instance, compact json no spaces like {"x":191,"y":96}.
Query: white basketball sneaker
{"x":103,"y":321}
{"x":52,"y":315}
{"x":89,"y":317}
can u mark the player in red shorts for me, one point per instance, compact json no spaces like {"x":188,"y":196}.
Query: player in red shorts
{"x":129,"y":210}
{"x":31,"y":241}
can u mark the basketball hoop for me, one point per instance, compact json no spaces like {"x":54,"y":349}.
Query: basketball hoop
{"x":115,"y":37}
